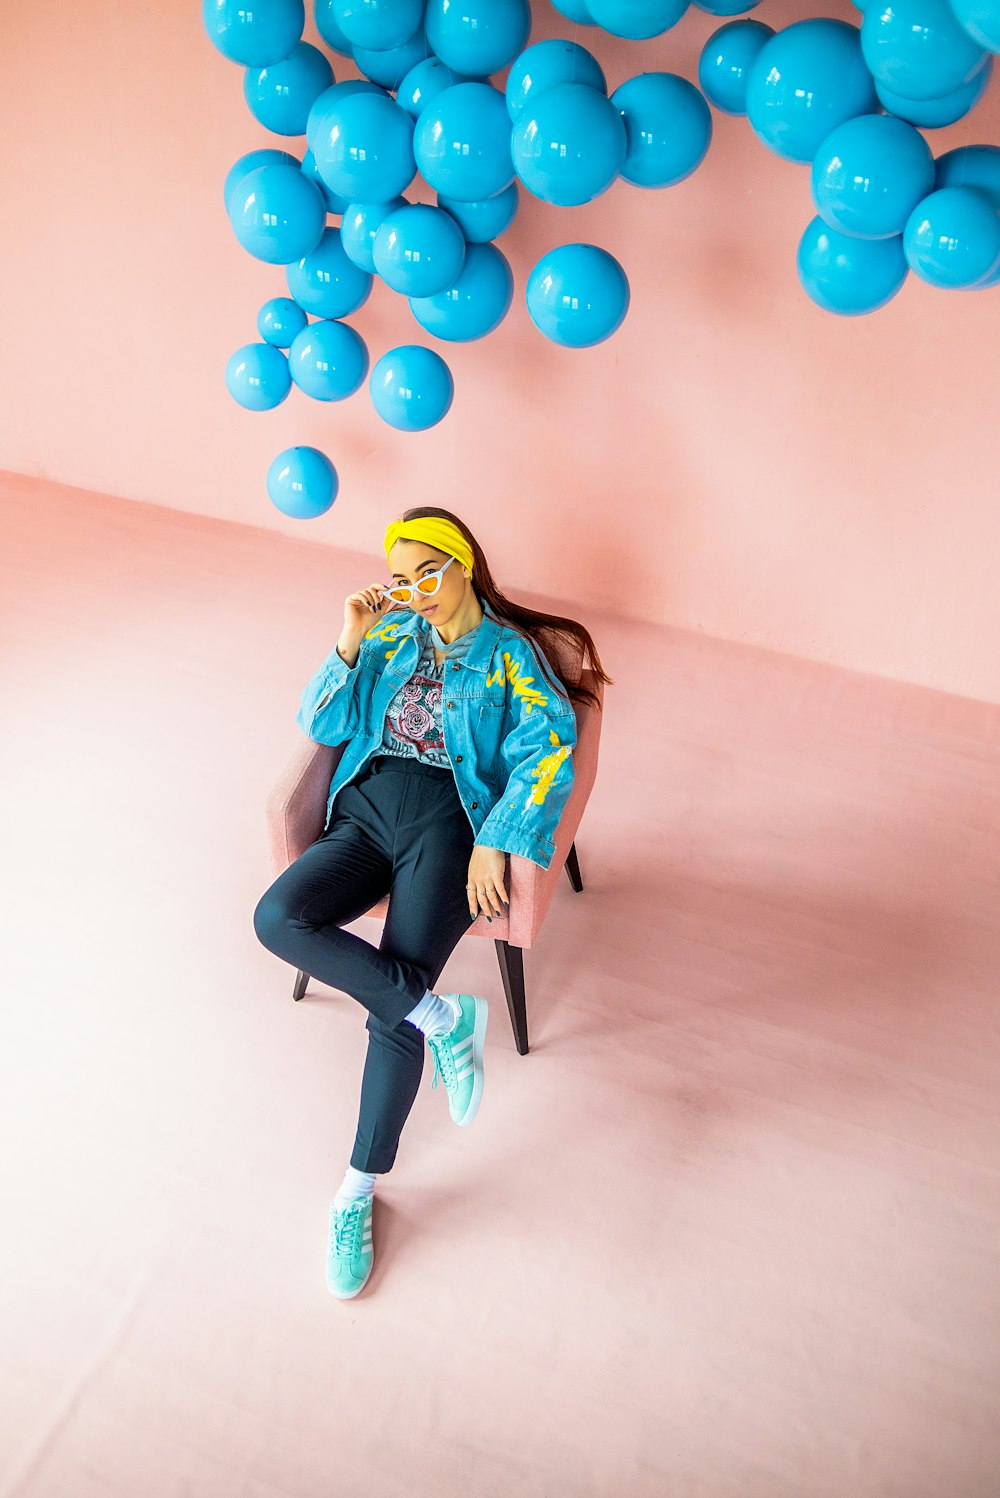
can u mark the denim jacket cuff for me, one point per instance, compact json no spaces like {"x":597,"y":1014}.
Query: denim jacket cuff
{"x":515,"y":839}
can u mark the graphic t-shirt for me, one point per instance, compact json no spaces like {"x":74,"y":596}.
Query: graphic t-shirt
{"x":413,"y":726}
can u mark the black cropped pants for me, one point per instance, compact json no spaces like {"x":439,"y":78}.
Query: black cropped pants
{"x":400,"y":830}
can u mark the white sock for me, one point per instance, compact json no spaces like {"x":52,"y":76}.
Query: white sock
{"x":356,"y":1183}
{"x":433,"y":1013}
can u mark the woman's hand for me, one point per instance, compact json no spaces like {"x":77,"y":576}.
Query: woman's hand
{"x":486,"y":869}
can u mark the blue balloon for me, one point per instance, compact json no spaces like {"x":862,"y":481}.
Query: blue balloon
{"x":568,"y":146}
{"x":803,"y":82}
{"x":462,"y":142}
{"x":726,"y":7}
{"x":302,"y":482}
{"x":423,"y":83}
{"x":869,"y":174}
{"x":725,"y":62}
{"x":485,"y":220}
{"x":329,"y":30}
{"x":478,"y":37}
{"x":970,"y":166}
{"x":847,"y":275}
{"x":332,"y":95}
{"x":577,"y":295}
{"x":917,"y":48}
{"x":277,"y":214}
{"x":668,"y":128}
{"x":334,"y":203}
{"x":325,"y":282}
{"x":575,"y":10}
{"x":363,"y":146}
{"x":253,"y":35}
{"x":411,"y":388}
{"x":245,"y":165}
{"x":391,"y":67}
{"x":378,"y":23}
{"x":637,"y":19}
{"x":933,"y":113}
{"x":281,"y":94}
{"x":279,"y":320}
{"x":358,"y":227}
{"x":328,"y":360}
{"x":952,"y":238}
{"x":477,"y":303}
{"x":257,"y":376}
{"x":419,"y":250}
{"x":546,"y":64}
{"x":981,"y":19}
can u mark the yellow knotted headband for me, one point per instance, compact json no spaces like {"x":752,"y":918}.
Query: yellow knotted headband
{"x":436,"y":531}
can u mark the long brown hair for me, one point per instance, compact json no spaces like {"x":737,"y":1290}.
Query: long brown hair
{"x":527,"y":621}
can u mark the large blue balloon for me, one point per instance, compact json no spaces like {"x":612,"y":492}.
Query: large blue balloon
{"x":668,"y":128}
{"x":328,"y":360}
{"x":546,"y":64}
{"x":577,"y":295}
{"x":973,"y":166}
{"x":378,"y":23}
{"x":726,"y":7}
{"x":411,"y":388}
{"x":334,"y":202}
{"x":869,"y":174}
{"x":358,"y":227}
{"x":325,"y":282}
{"x":246,"y":164}
{"x":808,"y":78}
{"x":725,"y":61}
{"x":302,"y":482}
{"x":575,"y":10}
{"x":952,"y":238}
{"x":485,"y":220}
{"x":329,"y":30}
{"x":916,"y":48}
{"x":419,"y":250}
{"x":332,"y":95}
{"x":363,"y":146}
{"x":277,"y":214}
{"x":390,"y":67}
{"x":847,"y":275}
{"x":981,"y":19}
{"x":462,"y":142}
{"x":477,"y":303}
{"x":423,"y":83}
{"x":569,"y":145}
{"x":257,"y":376}
{"x":279,"y":320}
{"x":281,"y":94}
{"x":637,"y":19}
{"x":933,"y":113}
{"x":253,"y":35}
{"x":478,"y":37}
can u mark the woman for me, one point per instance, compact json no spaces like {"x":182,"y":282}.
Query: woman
{"x":458,"y":739}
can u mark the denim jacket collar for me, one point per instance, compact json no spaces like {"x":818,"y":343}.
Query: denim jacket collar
{"x":479,"y":656}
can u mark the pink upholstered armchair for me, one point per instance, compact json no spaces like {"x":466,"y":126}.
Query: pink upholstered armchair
{"x":296,"y":811}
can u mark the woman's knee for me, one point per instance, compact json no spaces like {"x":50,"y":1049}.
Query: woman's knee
{"x":271,"y":918}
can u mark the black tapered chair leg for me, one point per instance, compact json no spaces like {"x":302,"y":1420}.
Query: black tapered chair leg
{"x":512,"y":972}
{"x":573,"y":869}
{"x":301,"y":979}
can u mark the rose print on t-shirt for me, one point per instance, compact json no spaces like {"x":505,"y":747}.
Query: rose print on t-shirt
{"x":413,"y":720}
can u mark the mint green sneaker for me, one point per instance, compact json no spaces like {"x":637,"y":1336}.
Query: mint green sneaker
{"x":350,"y":1252}
{"x":458,"y":1056}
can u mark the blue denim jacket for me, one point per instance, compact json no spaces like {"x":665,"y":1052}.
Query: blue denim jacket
{"x":509,"y":726}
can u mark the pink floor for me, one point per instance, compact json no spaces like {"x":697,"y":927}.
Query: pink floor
{"x":728,"y":1231}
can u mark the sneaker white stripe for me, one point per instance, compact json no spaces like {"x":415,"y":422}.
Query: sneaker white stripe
{"x":462,"y":1045}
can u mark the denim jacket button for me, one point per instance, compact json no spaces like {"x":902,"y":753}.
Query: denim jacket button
{"x":474,"y":805}
{"x":455,"y":666}
{"x":451,"y":704}
{"x":458,"y":759}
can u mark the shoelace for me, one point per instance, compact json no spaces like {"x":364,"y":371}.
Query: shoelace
{"x":444,"y":1060}
{"x":347,"y":1228}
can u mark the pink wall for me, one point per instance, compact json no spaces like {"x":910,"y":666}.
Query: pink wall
{"x":811,"y":484}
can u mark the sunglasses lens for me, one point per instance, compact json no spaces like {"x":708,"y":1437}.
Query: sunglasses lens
{"x":427,"y":584}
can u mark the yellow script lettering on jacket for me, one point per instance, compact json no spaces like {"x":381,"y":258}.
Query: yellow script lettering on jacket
{"x":521,"y":684}
{"x":386,"y":631}
{"x":546,"y":768}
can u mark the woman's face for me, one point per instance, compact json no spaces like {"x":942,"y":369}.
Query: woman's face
{"x":412,"y":560}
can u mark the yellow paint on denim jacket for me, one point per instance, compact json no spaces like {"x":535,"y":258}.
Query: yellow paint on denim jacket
{"x":544,"y":771}
{"x":386,"y":631}
{"x":521,"y":684}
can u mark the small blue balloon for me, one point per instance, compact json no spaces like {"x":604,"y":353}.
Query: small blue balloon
{"x":981,"y":19}
{"x":277,"y":214}
{"x":462,"y":142}
{"x":325,"y":282}
{"x":726,"y":7}
{"x":546,"y":64}
{"x":869,"y":174}
{"x":257,"y":376}
{"x":302,"y":483}
{"x":279,"y":320}
{"x":478,"y":37}
{"x":332,"y":95}
{"x":334,"y":203}
{"x":485,"y":220}
{"x":328,"y":360}
{"x":668,"y":128}
{"x":637,"y":19}
{"x":575,"y":10}
{"x":390,"y":67}
{"x":363,"y":146}
{"x":917,"y":48}
{"x":970,"y":166}
{"x":423,"y":83}
{"x":568,"y":146}
{"x":477,"y":303}
{"x":358,"y":227}
{"x":411,"y":388}
{"x":281,"y":94}
{"x":419,"y":250}
{"x":931,"y":114}
{"x":247,"y":164}
{"x":378,"y":23}
{"x":805,"y":80}
{"x":253,"y":35}
{"x":577,"y":295}
{"x":952,"y":238}
{"x":847,"y":275}
{"x":326,"y":25}
{"x":725,"y":62}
